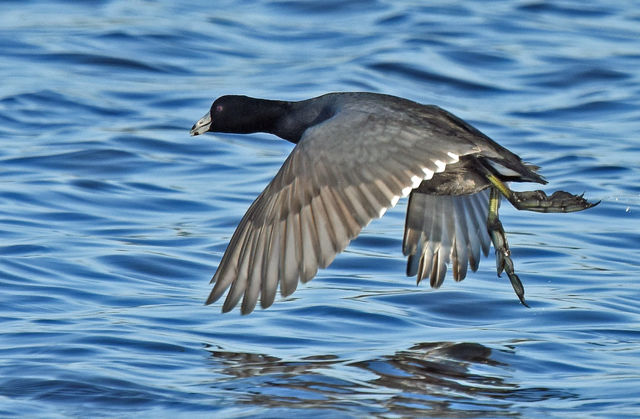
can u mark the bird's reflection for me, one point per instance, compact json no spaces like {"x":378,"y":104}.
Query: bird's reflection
{"x":441,"y":378}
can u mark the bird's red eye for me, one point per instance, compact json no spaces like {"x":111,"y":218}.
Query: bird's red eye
{"x":219,"y":108}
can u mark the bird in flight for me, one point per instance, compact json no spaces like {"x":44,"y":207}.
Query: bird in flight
{"x":356,"y":155}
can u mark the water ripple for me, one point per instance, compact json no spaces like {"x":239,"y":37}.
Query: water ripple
{"x":113,"y":218}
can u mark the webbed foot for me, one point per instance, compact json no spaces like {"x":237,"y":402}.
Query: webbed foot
{"x":559,"y":201}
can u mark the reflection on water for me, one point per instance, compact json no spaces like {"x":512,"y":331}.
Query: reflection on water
{"x":429,"y":379}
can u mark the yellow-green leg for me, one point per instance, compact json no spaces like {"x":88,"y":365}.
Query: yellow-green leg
{"x":537,"y":201}
{"x":499,"y":239}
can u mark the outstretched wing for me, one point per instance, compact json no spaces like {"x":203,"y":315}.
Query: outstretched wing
{"x":442,"y":229}
{"x":343,"y":173}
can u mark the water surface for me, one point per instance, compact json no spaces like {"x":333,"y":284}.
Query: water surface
{"x":112,"y":219}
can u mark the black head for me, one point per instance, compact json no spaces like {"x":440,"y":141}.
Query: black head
{"x":241,"y":115}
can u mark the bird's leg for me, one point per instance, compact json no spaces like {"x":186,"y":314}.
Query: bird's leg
{"x":538,"y":201}
{"x":499,"y":239}
{"x":559,"y":201}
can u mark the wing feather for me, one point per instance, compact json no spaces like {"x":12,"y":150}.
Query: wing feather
{"x":443,"y":229}
{"x":339,"y":177}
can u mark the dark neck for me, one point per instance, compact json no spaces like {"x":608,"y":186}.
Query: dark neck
{"x":260,"y":115}
{"x":287,"y":120}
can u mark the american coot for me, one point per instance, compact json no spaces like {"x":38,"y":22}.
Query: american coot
{"x":356,"y":154}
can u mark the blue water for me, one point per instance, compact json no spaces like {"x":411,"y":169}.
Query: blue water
{"x":113,"y":219}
